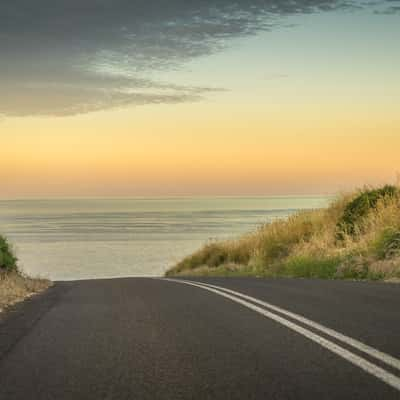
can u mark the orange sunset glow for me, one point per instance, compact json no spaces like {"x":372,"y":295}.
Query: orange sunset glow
{"x":237,"y":149}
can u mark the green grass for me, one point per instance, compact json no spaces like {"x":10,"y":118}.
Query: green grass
{"x":310,"y":267}
{"x":356,"y":237}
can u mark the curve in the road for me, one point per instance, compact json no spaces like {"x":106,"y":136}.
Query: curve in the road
{"x":367,"y":366}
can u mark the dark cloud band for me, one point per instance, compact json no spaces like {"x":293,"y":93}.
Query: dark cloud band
{"x":62,"y":57}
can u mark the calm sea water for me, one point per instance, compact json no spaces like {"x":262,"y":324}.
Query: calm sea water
{"x":95,"y":238}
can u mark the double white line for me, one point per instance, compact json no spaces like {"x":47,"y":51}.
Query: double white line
{"x":266,"y":310}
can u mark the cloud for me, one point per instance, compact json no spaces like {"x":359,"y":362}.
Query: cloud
{"x":63,"y":57}
{"x":388,"y":7}
{"x":83,"y":93}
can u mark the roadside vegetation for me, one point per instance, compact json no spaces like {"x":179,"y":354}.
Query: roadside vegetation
{"x":356,"y":237}
{"x":15,"y":286}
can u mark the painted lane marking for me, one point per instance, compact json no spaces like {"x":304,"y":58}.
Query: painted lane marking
{"x":356,"y":360}
{"x":379,"y":355}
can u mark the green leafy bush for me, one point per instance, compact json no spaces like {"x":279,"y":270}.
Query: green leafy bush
{"x":8,"y":262}
{"x":360,"y":206}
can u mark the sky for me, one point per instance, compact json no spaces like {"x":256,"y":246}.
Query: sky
{"x":181,"y":97}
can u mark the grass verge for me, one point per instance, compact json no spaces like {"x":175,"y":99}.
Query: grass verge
{"x":356,"y":237}
{"x":14,"y":286}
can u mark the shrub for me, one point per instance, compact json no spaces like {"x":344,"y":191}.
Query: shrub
{"x":360,"y":206}
{"x":8,"y":262}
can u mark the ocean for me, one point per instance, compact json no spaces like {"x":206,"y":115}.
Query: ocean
{"x":67,"y":239}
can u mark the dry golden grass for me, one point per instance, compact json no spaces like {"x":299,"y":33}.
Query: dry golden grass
{"x":15,"y":287}
{"x":312,"y":244}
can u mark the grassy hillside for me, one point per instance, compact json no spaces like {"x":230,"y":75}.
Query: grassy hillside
{"x":356,"y":237}
{"x":14,"y":286}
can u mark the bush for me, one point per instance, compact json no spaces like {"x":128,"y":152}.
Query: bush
{"x":8,"y":262}
{"x":360,"y":206}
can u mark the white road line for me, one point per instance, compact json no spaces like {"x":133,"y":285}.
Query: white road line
{"x":379,"y":355}
{"x":356,"y":360}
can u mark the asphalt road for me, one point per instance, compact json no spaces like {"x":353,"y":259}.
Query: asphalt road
{"x":142,"y":338}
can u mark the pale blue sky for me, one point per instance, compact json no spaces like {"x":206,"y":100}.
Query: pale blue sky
{"x":336,"y":56}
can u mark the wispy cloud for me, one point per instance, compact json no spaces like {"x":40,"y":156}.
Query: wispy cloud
{"x":67,"y":57}
{"x":93,"y":93}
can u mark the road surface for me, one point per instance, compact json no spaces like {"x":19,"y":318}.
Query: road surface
{"x":144,"y":338}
